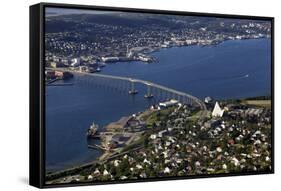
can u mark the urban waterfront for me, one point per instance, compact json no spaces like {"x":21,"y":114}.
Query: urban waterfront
{"x":232,"y":69}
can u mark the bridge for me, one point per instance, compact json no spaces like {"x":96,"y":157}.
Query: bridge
{"x":152,"y":89}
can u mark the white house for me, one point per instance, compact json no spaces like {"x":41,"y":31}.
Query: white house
{"x":172,"y":102}
{"x":75,"y":62}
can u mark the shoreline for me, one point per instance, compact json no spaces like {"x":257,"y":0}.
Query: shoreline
{"x":157,"y":49}
{"x":104,"y":157}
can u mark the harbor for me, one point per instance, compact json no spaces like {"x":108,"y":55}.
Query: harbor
{"x":57,"y":78}
{"x":120,"y":134}
{"x":105,"y":105}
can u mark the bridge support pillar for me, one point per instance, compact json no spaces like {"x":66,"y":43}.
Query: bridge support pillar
{"x":186,"y":100}
{"x":148,"y":93}
{"x":157,"y":93}
{"x":179,"y":98}
{"x":132,"y":89}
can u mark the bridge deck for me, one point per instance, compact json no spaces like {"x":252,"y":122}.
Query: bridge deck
{"x":134,"y":80}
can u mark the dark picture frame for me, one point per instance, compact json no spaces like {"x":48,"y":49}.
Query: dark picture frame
{"x":37,"y":131}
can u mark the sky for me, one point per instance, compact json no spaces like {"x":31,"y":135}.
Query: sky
{"x":66,"y":11}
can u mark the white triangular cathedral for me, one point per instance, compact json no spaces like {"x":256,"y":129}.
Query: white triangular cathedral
{"x":217,"y":111}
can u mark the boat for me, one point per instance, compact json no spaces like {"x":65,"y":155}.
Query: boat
{"x":92,"y":132}
{"x":133,"y":92}
{"x":148,"y":96}
{"x":98,"y":69}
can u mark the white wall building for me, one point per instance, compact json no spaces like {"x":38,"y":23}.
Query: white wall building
{"x":217,"y":111}
{"x":75,"y":62}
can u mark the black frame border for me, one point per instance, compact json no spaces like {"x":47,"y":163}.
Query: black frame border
{"x":37,"y":92}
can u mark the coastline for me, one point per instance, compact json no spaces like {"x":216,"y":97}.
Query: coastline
{"x":107,"y":156}
{"x":157,"y":49}
{"x":69,"y":171}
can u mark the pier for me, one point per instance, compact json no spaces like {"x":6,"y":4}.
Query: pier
{"x":97,"y":147}
{"x":60,"y":84}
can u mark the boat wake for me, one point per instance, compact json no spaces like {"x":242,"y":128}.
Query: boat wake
{"x":244,"y":76}
{"x":222,"y":78}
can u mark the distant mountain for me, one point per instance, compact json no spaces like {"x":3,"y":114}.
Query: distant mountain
{"x":70,"y":22}
{"x":63,"y":23}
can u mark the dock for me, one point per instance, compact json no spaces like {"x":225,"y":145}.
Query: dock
{"x":60,"y":84}
{"x":95,"y":146}
{"x":52,"y":81}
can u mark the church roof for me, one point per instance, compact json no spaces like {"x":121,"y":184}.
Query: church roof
{"x":217,"y":111}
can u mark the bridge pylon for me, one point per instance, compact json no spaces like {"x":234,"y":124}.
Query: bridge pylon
{"x":132,"y":89}
{"x":148,"y":93}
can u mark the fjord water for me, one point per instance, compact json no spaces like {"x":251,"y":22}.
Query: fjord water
{"x":232,"y":69}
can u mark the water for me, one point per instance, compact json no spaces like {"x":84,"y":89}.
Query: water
{"x":233,"y":69}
